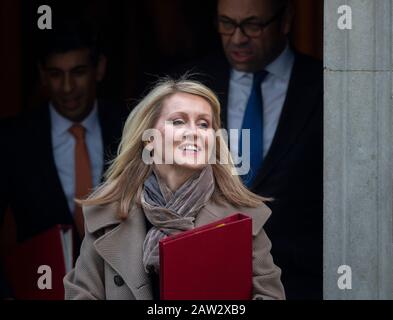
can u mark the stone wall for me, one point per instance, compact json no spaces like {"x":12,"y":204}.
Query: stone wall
{"x":358,"y":144}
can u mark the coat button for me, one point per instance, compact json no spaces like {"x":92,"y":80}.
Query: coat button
{"x":118,"y":280}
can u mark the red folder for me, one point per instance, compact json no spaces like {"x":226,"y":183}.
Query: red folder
{"x":51,"y":248}
{"x":212,"y":262}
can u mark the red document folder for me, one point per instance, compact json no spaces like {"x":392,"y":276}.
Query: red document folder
{"x":51,"y":248}
{"x":212,"y":262}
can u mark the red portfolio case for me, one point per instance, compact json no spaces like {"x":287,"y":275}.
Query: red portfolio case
{"x":212,"y":262}
{"x":51,"y":248}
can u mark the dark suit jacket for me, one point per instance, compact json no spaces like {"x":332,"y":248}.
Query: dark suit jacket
{"x":292,"y":172}
{"x":30,"y":183}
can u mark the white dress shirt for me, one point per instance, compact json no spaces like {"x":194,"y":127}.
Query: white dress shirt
{"x":274,"y":90}
{"x":63,"y":145}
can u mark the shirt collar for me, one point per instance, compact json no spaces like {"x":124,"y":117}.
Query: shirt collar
{"x":281,"y":67}
{"x":61,"y":124}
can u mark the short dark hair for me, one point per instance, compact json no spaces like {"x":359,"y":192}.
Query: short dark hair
{"x":69,"y":35}
{"x":279,"y":4}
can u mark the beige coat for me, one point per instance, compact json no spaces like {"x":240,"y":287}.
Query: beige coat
{"x":110,"y":263}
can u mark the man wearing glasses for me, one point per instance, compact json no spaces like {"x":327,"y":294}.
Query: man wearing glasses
{"x":266,"y":86}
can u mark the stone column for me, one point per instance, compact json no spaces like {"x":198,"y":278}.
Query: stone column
{"x":358,"y":150}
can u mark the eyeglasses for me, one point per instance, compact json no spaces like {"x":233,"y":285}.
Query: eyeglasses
{"x":250,"y":29}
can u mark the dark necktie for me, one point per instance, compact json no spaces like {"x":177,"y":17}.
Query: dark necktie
{"x":253,"y":120}
{"x":83,"y":177}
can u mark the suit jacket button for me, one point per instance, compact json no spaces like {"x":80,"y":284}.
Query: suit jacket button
{"x":118,"y":280}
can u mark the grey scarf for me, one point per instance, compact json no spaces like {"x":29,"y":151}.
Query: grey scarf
{"x":171,"y":213}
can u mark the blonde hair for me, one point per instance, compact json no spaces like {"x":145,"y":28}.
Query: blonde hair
{"x":124,"y":179}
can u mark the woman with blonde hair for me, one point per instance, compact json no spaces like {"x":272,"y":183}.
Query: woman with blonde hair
{"x":172,"y":182}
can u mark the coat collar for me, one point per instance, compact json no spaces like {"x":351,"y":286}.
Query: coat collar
{"x":99,"y":217}
{"x":213,"y":211}
{"x":302,"y":100}
{"x":122,"y":245}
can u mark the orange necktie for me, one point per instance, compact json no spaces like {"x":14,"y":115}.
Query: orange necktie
{"x":83,"y":178}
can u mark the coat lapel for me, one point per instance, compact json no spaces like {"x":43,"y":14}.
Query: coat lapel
{"x":111,"y":118}
{"x":121,"y":247}
{"x":106,"y":132}
{"x":213,"y":212}
{"x":298,"y":106}
{"x":43,"y":141}
{"x":221,"y":86}
{"x":215,"y":73}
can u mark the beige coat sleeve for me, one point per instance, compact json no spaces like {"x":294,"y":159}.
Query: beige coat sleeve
{"x":266,"y":275}
{"x":86,"y":280}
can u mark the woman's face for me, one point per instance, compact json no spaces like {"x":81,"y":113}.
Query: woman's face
{"x":186,"y":129}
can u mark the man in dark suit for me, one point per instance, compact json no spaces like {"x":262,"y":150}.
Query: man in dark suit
{"x":286,"y":137}
{"x":59,"y":152}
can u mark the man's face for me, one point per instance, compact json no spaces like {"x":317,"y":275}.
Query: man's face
{"x":253,"y":54}
{"x":71,"y":79}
